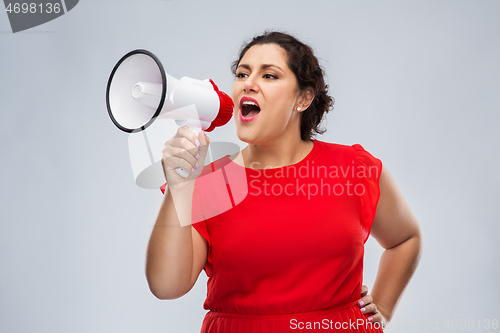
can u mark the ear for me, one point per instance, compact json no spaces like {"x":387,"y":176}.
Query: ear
{"x":305,"y":99}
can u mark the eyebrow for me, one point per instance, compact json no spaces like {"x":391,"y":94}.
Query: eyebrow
{"x":264,"y":66}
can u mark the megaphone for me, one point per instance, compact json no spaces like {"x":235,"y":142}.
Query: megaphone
{"x":139,"y":91}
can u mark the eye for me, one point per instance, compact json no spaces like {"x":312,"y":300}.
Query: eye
{"x":240,"y":75}
{"x":270,"y":76}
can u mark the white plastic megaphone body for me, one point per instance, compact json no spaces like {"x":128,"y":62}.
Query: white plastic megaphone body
{"x":139,"y":91}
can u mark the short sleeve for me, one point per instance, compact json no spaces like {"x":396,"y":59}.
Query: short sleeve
{"x":369,"y":169}
{"x":198,"y":217}
{"x":196,"y":214}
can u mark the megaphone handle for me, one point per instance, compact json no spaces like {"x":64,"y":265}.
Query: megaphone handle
{"x":180,"y":171}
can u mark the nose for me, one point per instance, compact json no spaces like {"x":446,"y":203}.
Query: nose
{"x":250,"y":84}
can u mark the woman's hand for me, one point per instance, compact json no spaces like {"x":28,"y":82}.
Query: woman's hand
{"x":369,"y":308}
{"x":185,"y":150}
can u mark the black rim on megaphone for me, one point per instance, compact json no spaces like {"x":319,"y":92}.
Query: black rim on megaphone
{"x":163,"y":91}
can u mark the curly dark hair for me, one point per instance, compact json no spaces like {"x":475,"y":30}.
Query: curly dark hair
{"x":305,"y":66}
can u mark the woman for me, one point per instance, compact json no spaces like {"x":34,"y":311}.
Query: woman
{"x":290,"y":254}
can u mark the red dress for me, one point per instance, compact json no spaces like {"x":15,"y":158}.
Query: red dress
{"x":286,"y":244}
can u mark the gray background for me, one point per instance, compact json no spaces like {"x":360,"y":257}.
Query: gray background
{"x":415,"y":82}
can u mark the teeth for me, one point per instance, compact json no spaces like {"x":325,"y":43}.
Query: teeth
{"x":249,"y":103}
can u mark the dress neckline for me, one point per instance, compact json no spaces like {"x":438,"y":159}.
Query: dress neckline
{"x":299,"y":163}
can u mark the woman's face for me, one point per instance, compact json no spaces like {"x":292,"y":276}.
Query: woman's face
{"x":265,"y":92}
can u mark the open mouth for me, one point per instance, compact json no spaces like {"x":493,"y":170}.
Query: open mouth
{"x":249,"y":107}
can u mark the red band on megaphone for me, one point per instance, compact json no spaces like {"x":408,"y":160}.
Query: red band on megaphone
{"x":225,"y":110}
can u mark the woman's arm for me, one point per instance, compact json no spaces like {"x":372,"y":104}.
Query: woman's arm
{"x":176,"y":254}
{"x":396,"y":229}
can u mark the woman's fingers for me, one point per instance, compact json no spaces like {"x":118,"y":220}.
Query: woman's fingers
{"x":181,"y":163}
{"x":369,"y":309}
{"x":184,"y":132}
{"x":364,"y":290}
{"x":365,"y":301}
{"x":186,"y":142}
{"x":185,"y":150}
{"x":182,"y":148}
{"x":373,"y":315}
{"x":204,"y":142}
{"x":378,"y":318}
{"x":203,"y":138}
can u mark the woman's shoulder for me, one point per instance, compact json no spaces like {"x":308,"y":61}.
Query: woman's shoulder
{"x":336,"y":152}
{"x":355,"y":147}
{"x":336,"y":147}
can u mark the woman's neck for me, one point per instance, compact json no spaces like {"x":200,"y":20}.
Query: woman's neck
{"x":278,"y":154}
